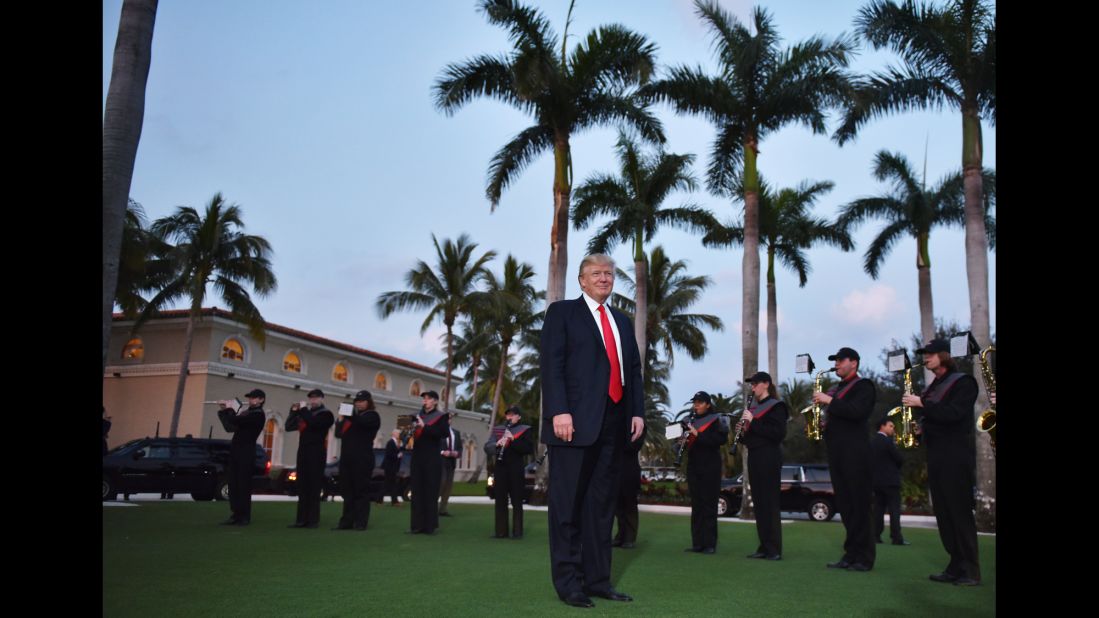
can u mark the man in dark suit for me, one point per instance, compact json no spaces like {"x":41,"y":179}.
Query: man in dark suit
{"x":625,"y":510}
{"x":849,"y":405}
{"x":592,"y":403}
{"x":887,"y":464}
{"x":452,"y":453}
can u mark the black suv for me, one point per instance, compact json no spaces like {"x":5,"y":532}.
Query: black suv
{"x":287,"y":481}
{"x":806,"y":488}
{"x":175,"y":465}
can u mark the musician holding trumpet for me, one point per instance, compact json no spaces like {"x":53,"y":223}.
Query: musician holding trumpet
{"x":946,"y":410}
{"x":763,"y":429}
{"x":704,"y":434}
{"x":245,"y":424}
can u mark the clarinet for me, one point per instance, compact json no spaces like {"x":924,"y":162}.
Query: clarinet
{"x":740,"y":425}
{"x":500,"y":449}
{"x":682,"y":446}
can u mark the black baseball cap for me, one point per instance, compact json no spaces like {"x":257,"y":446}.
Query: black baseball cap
{"x":316,"y":392}
{"x":513,"y":409}
{"x":702,"y":396}
{"x":760,"y":376}
{"x":364,"y":396}
{"x":844,"y":353}
{"x":255,"y":392}
{"x":431,"y":394}
{"x":935,"y":345}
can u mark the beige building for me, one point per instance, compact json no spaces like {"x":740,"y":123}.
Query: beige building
{"x":139,"y":385}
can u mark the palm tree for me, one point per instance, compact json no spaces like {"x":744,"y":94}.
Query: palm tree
{"x":513,"y":301}
{"x":634,"y":200}
{"x":948,"y":59}
{"x":471,"y":344}
{"x":910,"y":209}
{"x":211,"y":250}
{"x":447,"y":292}
{"x":123,"y":115}
{"x":671,"y":292}
{"x":759,"y":89}
{"x":565,"y":93}
{"x":787,"y":230}
{"x":141,"y":267}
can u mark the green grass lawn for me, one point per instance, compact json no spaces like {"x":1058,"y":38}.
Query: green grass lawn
{"x":171,"y":559}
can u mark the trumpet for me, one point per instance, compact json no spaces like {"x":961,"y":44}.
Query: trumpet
{"x":905,"y":437}
{"x":813,"y":413}
{"x":987,"y":420}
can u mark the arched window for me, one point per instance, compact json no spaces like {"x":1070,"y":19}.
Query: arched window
{"x":269,"y":431}
{"x":340,"y":373}
{"x":291,"y":362}
{"x":381,"y":381}
{"x":232,"y":350}
{"x":415,"y":389}
{"x":134,"y":350}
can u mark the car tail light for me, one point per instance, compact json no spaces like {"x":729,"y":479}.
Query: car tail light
{"x":293,"y":476}
{"x":490,"y":480}
{"x":267,"y":468}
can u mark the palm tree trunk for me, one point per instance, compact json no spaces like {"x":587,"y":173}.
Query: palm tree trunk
{"x":123,"y":116}
{"x":449,"y":363}
{"x":498,"y":396}
{"x":927,"y":313}
{"x":184,"y":366}
{"x":749,"y":326}
{"x":772,"y":317}
{"x":976,"y":261}
{"x":641,"y":299}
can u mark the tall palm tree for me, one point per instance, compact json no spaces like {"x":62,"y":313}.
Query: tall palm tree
{"x":671,"y":293}
{"x":514,"y":301}
{"x":123,"y":115}
{"x":446,"y":292}
{"x":565,"y":93}
{"x":210,"y":250}
{"x":472,"y":342}
{"x":913,"y":210}
{"x":787,"y":230}
{"x":142,"y":268}
{"x":758,"y":90}
{"x":634,"y":199}
{"x":948,"y":58}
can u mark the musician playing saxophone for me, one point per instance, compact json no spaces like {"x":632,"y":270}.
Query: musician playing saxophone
{"x":946,"y":410}
{"x":764,"y":430}
{"x":846,"y":436}
{"x":707,"y":432}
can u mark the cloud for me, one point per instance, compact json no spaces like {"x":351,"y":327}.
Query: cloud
{"x":875,"y":304}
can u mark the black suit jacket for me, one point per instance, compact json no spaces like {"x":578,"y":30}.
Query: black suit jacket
{"x":576,"y":371}
{"x":452,"y":462}
{"x":886,"y":461}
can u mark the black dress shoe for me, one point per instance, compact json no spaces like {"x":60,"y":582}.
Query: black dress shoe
{"x":839,"y":564}
{"x":498,"y":536}
{"x":444,"y":515}
{"x":516,"y":537}
{"x":758,"y":554}
{"x":943,"y":577}
{"x":232,"y":521}
{"x":342,"y":528}
{"x":296,"y":525}
{"x":628,"y":545}
{"x":360,"y":528}
{"x":858,"y":566}
{"x":612,"y":594}
{"x":414,"y":531}
{"x":616,"y":543}
{"x":901,"y":542}
{"x":578,"y":599}
{"x":311,"y":525}
{"x":243,"y":522}
{"x":773,"y":557}
{"x":708,"y":550}
{"x":878,"y":541}
{"x":967,"y":581}
{"x":693,"y":549}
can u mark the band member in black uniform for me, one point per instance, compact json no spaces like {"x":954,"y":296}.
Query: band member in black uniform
{"x":946,"y":408}
{"x":431,"y":428}
{"x":357,"y":460}
{"x":391,"y":464}
{"x":764,"y":430}
{"x":847,"y":439}
{"x":245,"y":425}
{"x":629,"y":486}
{"x":312,"y":423}
{"x":707,"y":432}
{"x":511,"y":443}
{"x":106,"y":429}
{"x":887,"y":463}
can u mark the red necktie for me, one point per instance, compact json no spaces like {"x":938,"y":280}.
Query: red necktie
{"x":615,"y":387}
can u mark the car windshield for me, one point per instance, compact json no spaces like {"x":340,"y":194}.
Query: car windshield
{"x":129,"y":447}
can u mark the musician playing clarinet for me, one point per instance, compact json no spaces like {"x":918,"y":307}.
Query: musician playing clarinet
{"x":512,"y":443}
{"x":763,"y":432}
{"x":707,"y":432}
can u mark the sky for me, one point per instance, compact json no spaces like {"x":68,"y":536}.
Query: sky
{"x":317,"y":120}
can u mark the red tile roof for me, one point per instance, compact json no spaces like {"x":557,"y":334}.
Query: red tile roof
{"x":221,"y":313}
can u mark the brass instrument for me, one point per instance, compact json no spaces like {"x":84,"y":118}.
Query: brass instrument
{"x":987,"y":420}
{"x":813,"y":411}
{"x":905,"y":436}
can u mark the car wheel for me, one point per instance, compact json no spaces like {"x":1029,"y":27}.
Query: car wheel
{"x":109,"y":492}
{"x":722,"y":506}
{"x":221,"y":492}
{"x":821,"y":510}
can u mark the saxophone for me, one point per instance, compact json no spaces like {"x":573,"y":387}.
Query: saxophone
{"x":812,"y":412}
{"x":987,"y":420}
{"x":905,"y":437}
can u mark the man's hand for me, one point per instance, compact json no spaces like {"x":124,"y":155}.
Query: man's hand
{"x":912,"y":401}
{"x":824,"y":398}
{"x":637,"y":425}
{"x":562,"y":427}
